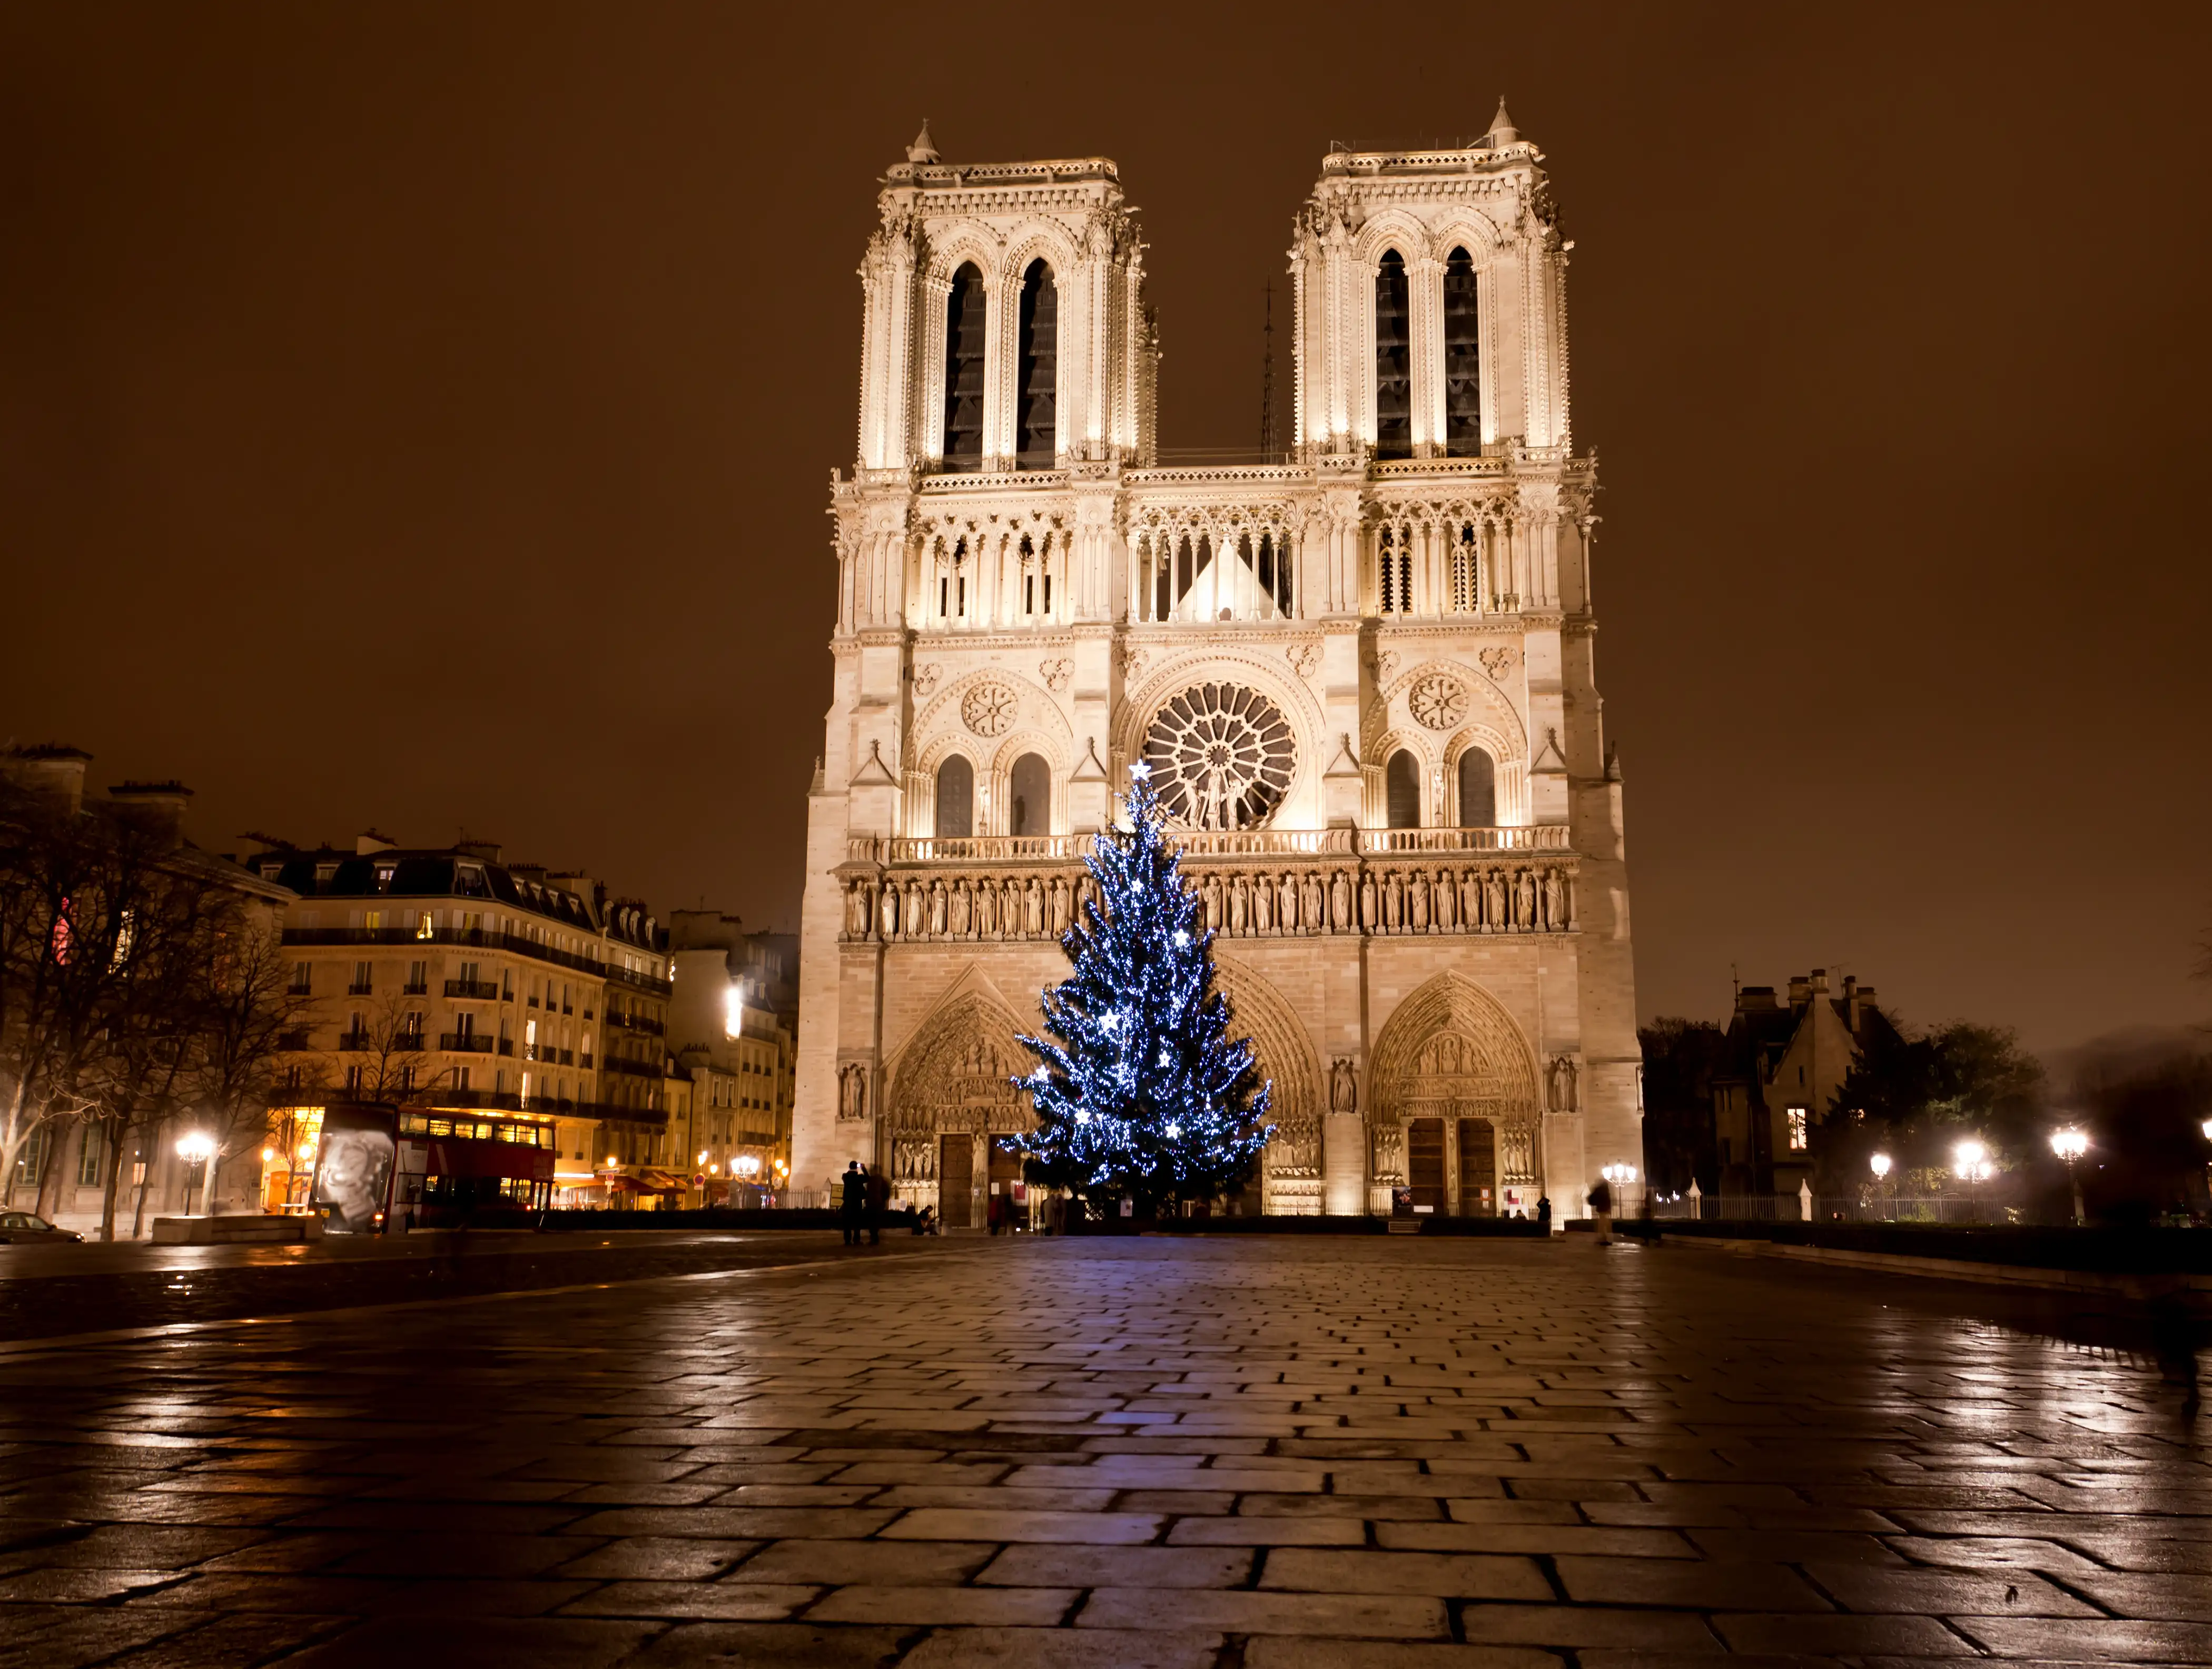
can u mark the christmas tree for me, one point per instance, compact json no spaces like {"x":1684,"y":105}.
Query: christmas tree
{"x":1140,"y":1091}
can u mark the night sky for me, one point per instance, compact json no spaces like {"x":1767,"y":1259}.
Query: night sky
{"x":422,"y":416}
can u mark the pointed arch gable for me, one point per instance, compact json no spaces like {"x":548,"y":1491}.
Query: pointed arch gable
{"x":1392,"y":228}
{"x":1452,"y":1042}
{"x":1469,"y":229}
{"x":954,"y":1071}
{"x":964,"y":241}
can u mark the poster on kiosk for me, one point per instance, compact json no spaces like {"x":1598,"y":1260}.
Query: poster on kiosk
{"x":354,"y":1159}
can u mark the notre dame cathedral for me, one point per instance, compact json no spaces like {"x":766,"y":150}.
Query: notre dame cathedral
{"x":1361,"y":672}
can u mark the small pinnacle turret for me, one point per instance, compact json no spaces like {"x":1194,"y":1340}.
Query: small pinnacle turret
{"x":922,"y":151}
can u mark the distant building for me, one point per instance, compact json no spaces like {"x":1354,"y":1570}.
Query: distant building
{"x":732,"y":1031}
{"x":1782,"y":1062}
{"x":485,"y":998}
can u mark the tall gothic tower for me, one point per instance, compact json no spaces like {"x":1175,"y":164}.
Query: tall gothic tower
{"x":1363,"y":681}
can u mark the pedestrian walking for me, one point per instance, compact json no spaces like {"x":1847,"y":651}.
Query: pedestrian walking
{"x":1544,"y":1212}
{"x":879,"y":1201}
{"x":1600,"y":1205}
{"x":854,"y":1205}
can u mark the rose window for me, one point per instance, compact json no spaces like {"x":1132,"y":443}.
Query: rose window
{"x":1439,"y":702}
{"x":1221,"y":757}
{"x":988,"y":709}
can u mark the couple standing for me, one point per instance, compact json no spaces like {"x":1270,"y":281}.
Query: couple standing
{"x":867,"y":1195}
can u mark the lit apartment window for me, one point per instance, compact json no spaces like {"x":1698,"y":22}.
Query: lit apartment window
{"x":1798,"y":1137}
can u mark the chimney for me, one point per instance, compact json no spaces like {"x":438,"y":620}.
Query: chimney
{"x":1801,"y":991}
{"x":1851,"y":1001}
{"x":1819,"y":982}
{"x":1755,"y":998}
{"x":156,"y":806}
{"x":487,"y":850}
{"x":51,"y":770}
{"x":369,"y":842}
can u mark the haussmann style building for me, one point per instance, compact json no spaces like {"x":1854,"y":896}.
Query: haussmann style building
{"x":1362,"y":675}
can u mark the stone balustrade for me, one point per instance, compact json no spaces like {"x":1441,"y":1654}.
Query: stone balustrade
{"x":1256,"y":884}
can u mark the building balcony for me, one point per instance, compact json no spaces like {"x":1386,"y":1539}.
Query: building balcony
{"x":359,"y":991}
{"x":631,"y":1068}
{"x":354,"y":1041}
{"x":506,"y":1046}
{"x":473,"y":991}
{"x":295,"y":1040}
{"x":416,"y":988}
{"x":408,"y":1042}
{"x":636,"y":1023}
{"x":465,"y":1042}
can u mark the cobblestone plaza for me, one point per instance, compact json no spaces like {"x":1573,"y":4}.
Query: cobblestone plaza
{"x":1268,"y":1452}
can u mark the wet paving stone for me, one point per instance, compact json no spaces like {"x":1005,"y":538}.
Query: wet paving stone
{"x":1249,"y":1454}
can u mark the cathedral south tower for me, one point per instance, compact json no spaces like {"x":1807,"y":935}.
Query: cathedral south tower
{"x":1362,"y":679}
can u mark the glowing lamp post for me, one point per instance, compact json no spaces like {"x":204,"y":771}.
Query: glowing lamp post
{"x":196,"y":1147}
{"x":1879,"y":1164}
{"x":2071,"y":1145}
{"x":1969,"y":1162}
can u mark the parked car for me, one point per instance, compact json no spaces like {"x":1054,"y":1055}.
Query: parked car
{"x":22,"y":1229}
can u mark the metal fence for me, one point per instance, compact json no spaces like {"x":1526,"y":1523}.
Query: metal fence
{"x":1790,"y":1208}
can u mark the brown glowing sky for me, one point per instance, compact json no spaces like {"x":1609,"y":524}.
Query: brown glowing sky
{"x":421,"y":416}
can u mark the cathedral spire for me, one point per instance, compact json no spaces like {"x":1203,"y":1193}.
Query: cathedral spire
{"x":1502,"y":130}
{"x":922,"y":151}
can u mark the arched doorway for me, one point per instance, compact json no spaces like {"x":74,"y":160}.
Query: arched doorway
{"x":1454,"y":1115}
{"x":952,"y":1094}
{"x":1291,"y":1172}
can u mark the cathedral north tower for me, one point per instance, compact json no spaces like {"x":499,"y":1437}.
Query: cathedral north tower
{"x":1362,"y":679}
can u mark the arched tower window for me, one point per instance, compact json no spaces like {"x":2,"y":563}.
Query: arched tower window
{"x":1038,"y":435}
{"x":963,"y":370}
{"x":1394,"y":359}
{"x":1031,"y":787}
{"x":1402,"y":786}
{"x":1478,"y":789}
{"x":956,"y":799}
{"x":1462,"y":360}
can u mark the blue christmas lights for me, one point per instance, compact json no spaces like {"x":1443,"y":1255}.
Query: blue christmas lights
{"x":1139,"y":1090}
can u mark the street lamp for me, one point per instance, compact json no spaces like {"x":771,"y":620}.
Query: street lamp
{"x":196,"y":1147}
{"x":2069,"y":1145}
{"x":1879,"y":1164}
{"x":1620,"y":1176}
{"x":1970,"y":1161}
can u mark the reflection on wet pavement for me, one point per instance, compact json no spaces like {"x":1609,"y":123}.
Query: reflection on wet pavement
{"x":1265,"y":1453}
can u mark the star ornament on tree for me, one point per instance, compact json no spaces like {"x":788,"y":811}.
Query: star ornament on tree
{"x":1139,"y":1089}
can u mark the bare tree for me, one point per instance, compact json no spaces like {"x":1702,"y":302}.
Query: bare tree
{"x":391,"y":1046}
{"x":73,"y":892}
{"x":250,"y":1019}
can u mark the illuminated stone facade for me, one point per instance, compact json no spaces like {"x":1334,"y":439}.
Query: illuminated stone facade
{"x":1362,"y":673}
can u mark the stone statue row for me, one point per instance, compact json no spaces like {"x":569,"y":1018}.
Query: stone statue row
{"x":1494,"y":898}
{"x":1514,"y":1149}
